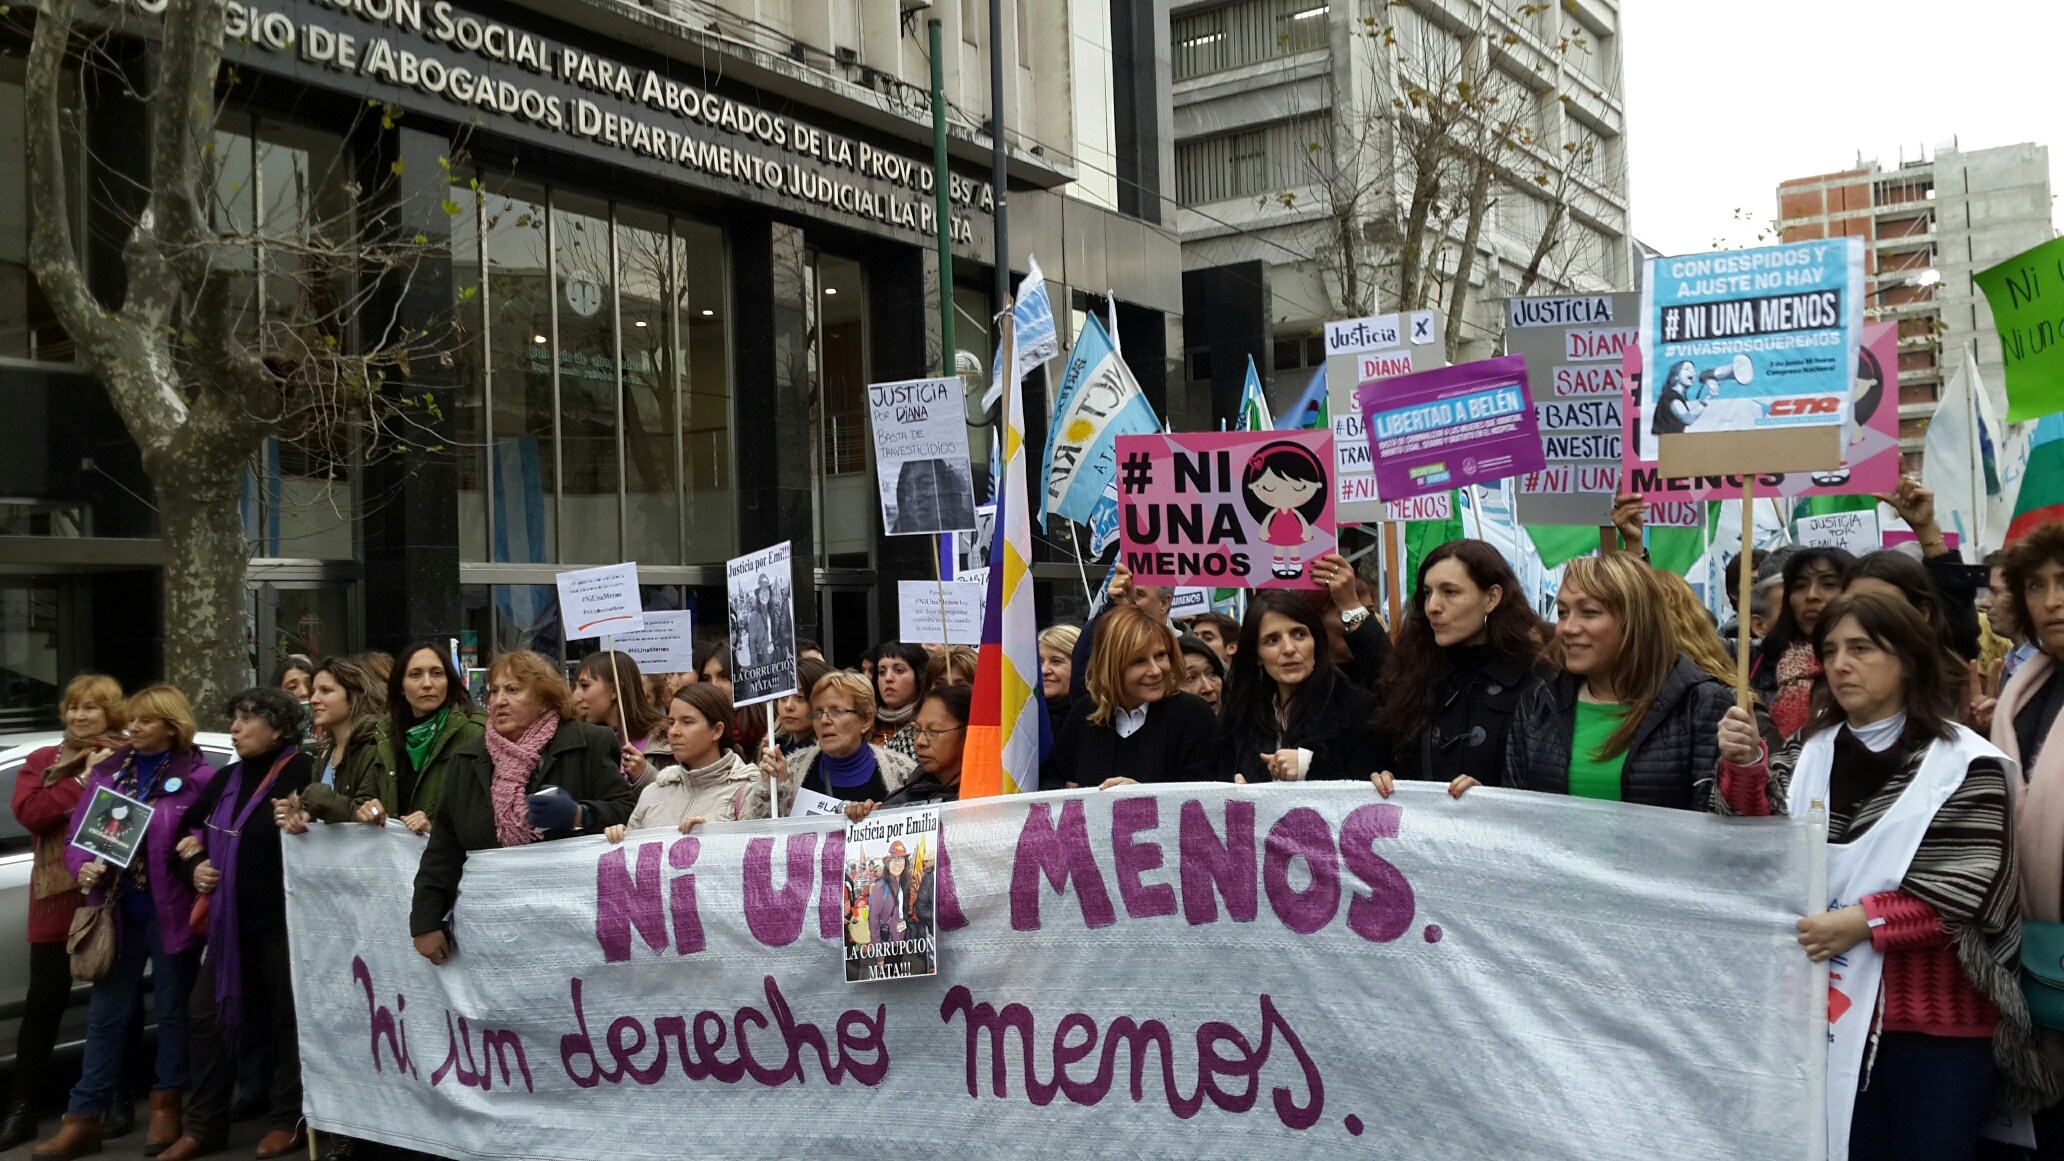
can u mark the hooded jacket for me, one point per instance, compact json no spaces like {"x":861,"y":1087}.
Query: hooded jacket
{"x":1671,"y":762}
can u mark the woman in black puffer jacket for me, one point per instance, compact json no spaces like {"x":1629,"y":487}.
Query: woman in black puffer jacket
{"x":1289,"y":713}
{"x":1629,"y":718}
{"x":1469,"y":652}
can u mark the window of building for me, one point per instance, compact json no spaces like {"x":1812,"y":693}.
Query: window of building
{"x":1246,"y":32}
{"x":1254,"y":162}
{"x":28,"y":327}
{"x":848,"y":506}
{"x":595,"y":406}
{"x":279,"y":190}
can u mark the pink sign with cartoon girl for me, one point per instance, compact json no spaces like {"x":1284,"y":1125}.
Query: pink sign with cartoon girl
{"x":1286,"y":492}
{"x":1226,"y":509}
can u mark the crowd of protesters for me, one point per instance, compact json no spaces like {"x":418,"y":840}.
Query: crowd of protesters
{"x":1867,"y":677}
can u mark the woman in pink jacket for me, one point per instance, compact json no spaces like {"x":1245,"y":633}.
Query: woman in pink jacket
{"x":2024,"y":727}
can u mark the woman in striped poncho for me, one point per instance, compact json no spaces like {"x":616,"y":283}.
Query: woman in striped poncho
{"x":1924,"y":1003}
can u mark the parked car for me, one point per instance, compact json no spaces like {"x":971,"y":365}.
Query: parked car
{"x":15,"y":856}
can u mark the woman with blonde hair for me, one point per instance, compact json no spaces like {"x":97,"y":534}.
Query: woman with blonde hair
{"x":160,"y":767}
{"x":47,"y":789}
{"x":1629,"y":718}
{"x":1136,"y":725}
{"x":950,"y":665}
{"x":1692,"y":629}
{"x":538,"y":773}
{"x":842,"y":763}
{"x":1057,"y":670}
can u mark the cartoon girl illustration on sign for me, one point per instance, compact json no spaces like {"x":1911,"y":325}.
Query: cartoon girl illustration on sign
{"x":1286,"y":490}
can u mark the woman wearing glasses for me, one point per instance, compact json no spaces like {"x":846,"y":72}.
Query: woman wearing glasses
{"x":940,"y":730}
{"x":842,"y":764}
{"x":709,"y":782}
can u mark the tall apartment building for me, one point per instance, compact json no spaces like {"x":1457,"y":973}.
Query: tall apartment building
{"x":1928,"y":226}
{"x":1294,"y":129}
{"x":683,"y":236}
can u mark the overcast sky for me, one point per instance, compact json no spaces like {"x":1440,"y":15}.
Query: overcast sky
{"x":1726,"y":98}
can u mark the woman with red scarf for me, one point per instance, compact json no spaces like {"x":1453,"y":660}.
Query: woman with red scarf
{"x":1787,"y":670}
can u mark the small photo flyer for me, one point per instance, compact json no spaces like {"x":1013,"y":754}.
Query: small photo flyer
{"x":112,"y":827}
{"x":891,"y":859}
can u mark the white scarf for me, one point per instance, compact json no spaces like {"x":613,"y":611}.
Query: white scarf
{"x":1874,"y":862}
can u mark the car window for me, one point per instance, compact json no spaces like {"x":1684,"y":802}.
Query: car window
{"x":13,"y":839}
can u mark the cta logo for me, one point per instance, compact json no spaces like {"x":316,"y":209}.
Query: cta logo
{"x":1789,"y":408}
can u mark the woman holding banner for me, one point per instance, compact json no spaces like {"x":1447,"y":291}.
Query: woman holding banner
{"x":942,"y":720}
{"x":1290,"y":713}
{"x":899,"y":670}
{"x":708,"y":781}
{"x":1787,"y":671}
{"x":639,"y":726}
{"x":1135,"y":724}
{"x":1927,"y":914}
{"x":1629,"y":718}
{"x":1469,"y":651}
{"x":429,"y":716}
{"x":842,"y":763}
{"x":242,"y":1003}
{"x":536,"y":774}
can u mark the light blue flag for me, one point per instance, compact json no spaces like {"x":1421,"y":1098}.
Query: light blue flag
{"x":1254,"y":408}
{"x":1032,"y":320}
{"x":1309,"y":407}
{"x":1103,"y":522}
{"x":1099,"y":401}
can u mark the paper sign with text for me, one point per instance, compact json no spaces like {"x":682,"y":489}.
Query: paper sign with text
{"x":1872,"y":452}
{"x":600,"y":602}
{"x":2026,"y":293}
{"x":761,"y":593}
{"x":1189,"y":602}
{"x":921,"y":456}
{"x":1855,"y":531}
{"x":943,"y":613}
{"x":1436,"y":430}
{"x":1226,"y":509}
{"x":665,"y":645}
{"x":891,"y":893}
{"x":1199,"y":971}
{"x":1361,"y":351}
{"x":1573,"y":346}
{"x":111,"y":826}
{"x":1749,"y":340}
{"x":1432,"y":506}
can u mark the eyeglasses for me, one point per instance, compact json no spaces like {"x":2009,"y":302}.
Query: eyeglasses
{"x":927,"y":737}
{"x":832,"y":714}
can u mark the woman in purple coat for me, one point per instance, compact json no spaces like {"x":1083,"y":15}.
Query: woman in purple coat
{"x":161,"y":768}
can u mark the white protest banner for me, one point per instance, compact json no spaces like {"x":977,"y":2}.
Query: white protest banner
{"x":1855,"y":531}
{"x":1364,"y":350}
{"x":808,"y":801}
{"x":1434,"y":506}
{"x":1573,"y":346}
{"x":763,"y":645}
{"x":600,"y":602}
{"x":928,"y":609}
{"x":665,"y":645}
{"x":1179,"y":971}
{"x":921,"y":456}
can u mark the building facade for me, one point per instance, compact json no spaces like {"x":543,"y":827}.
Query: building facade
{"x":674,"y":242}
{"x":1300,"y":128}
{"x":1928,"y":226}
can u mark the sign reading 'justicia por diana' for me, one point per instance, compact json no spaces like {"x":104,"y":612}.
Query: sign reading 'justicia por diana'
{"x":440,"y":60}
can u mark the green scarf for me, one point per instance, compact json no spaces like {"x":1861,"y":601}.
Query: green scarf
{"x":422,"y":735}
